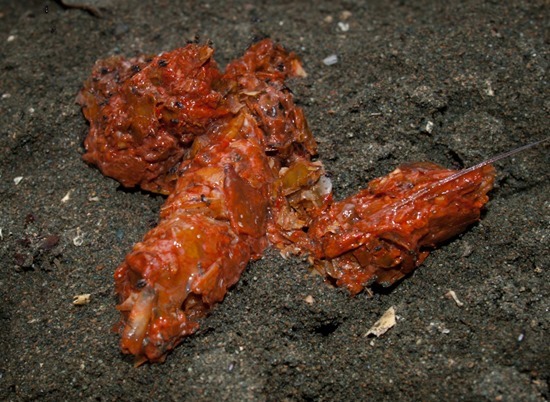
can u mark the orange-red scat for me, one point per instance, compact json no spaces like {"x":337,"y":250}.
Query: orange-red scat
{"x":145,"y":111}
{"x":234,"y":153}
{"x":385,"y":231}
{"x":200,"y":248}
{"x":215,"y":219}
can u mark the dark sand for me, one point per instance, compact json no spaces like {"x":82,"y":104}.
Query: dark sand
{"x":451,"y":82}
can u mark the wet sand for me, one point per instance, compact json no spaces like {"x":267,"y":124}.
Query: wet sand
{"x":439,"y":81}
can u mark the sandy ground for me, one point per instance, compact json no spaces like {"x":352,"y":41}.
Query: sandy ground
{"x":451,"y":82}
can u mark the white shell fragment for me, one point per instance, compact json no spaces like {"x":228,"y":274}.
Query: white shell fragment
{"x":489,"y":89}
{"x":385,"y":322}
{"x":344,"y":26}
{"x":67,"y":196}
{"x":78,"y":240}
{"x":330,"y":60}
{"x":452,"y":295}
{"x":17,"y":180}
{"x":80,"y":300}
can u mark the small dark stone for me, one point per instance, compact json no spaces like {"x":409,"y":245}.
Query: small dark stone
{"x":30,"y":218}
{"x":49,"y":242}
{"x":23,"y":260}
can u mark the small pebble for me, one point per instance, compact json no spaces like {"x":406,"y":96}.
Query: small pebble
{"x":80,"y":300}
{"x":344,"y":26}
{"x":67,"y":196}
{"x":330,"y":60}
{"x":344,"y":15}
{"x":428,"y":127}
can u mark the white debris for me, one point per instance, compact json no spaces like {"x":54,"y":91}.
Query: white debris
{"x":309,"y":299}
{"x":80,"y":300}
{"x":385,"y":322}
{"x":78,"y":240}
{"x":330,"y":60}
{"x":67,"y":196}
{"x":452,"y":295}
{"x":489,"y":90}
{"x":11,"y":38}
{"x":439,"y":326}
{"x":520,"y":337}
{"x":429,"y":127}
{"x":344,"y":26}
{"x":17,"y":180}
{"x":344,"y":15}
